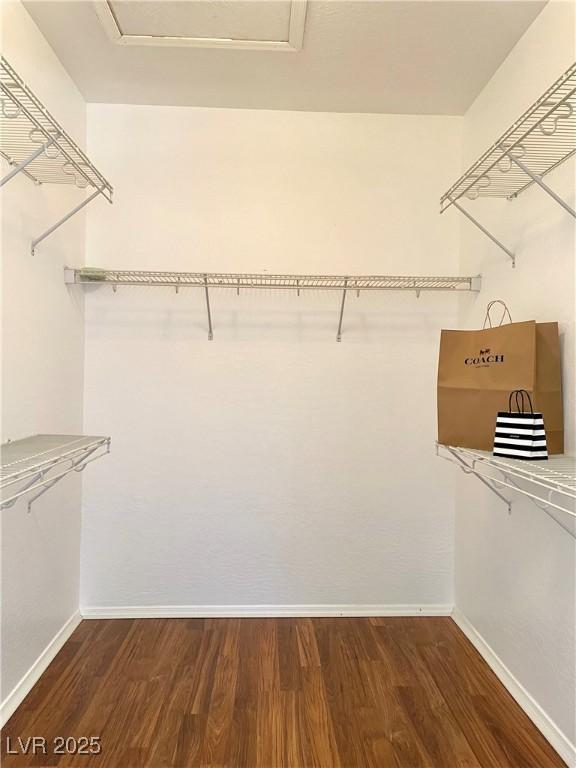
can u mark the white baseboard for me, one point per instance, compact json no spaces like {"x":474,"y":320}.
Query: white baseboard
{"x":541,"y":720}
{"x":257,"y":611}
{"x":23,"y":688}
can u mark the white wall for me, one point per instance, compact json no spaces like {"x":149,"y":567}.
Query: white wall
{"x":515,"y":575}
{"x":270,"y":466}
{"x":42,"y":369}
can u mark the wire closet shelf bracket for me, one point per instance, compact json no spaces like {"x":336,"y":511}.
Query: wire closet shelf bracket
{"x":34,"y":464}
{"x":207,"y":280}
{"x":551,"y":484}
{"x":540,"y":140}
{"x":35,"y":144}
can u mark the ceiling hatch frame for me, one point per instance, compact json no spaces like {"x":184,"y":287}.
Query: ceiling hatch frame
{"x":105,"y":13}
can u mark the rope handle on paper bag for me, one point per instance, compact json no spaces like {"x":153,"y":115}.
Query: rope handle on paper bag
{"x":505,"y":312}
{"x":519,"y":399}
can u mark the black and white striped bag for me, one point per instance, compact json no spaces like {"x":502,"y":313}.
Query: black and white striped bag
{"x":519,"y":434}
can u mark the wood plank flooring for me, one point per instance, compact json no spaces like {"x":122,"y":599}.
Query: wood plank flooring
{"x":266,"y":693}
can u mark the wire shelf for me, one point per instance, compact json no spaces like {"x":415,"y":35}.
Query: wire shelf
{"x":206,"y":280}
{"x":89,"y":276}
{"x":551,"y":484}
{"x":542,"y":138}
{"x":28,"y":465}
{"x":26,"y":125}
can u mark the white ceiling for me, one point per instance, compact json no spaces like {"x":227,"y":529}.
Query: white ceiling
{"x":407,"y":56}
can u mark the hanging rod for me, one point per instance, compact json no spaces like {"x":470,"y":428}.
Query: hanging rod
{"x":206,"y":280}
{"x":35,"y":144}
{"x":539,"y":141}
{"x":34,"y":464}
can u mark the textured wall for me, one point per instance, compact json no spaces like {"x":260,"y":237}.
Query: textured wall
{"x":42,"y":368}
{"x":272,"y":465}
{"x":515,"y":575}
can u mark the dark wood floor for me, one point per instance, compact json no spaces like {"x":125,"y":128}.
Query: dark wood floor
{"x":240,"y":693}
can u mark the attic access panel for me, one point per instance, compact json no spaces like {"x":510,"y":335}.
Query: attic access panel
{"x":232,"y":24}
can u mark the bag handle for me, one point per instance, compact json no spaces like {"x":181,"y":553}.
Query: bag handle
{"x":505,"y":311}
{"x":519,"y":398}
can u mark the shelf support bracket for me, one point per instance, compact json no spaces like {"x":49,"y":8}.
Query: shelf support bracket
{"x":509,"y":482}
{"x":339,"y":334}
{"x":484,"y":230}
{"x":77,"y":465}
{"x":469,"y":470}
{"x":541,"y":183}
{"x":20,"y":167}
{"x":31,"y":483}
{"x":210,"y":334}
{"x":65,"y":218}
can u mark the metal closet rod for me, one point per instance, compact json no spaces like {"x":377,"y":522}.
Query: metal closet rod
{"x":207,"y":280}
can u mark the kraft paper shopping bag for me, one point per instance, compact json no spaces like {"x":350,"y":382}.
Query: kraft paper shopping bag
{"x":478,"y":369}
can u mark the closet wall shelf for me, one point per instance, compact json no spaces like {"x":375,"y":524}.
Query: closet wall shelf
{"x":34,"y":464}
{"x":550,"y":484}
{"x":35,"y":144}
{"x":542,"y":138}
{"x":94,"y":276}
{"x":207,"y":280}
